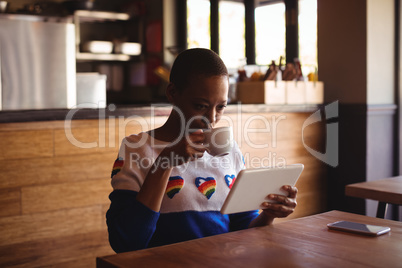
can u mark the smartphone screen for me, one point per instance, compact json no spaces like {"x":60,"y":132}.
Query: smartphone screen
{"x":361,"y":228}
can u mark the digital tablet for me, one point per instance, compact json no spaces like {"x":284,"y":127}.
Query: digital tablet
{"x":252,"y":186}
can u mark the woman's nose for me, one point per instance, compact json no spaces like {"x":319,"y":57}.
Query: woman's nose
{"x":211,"y":117}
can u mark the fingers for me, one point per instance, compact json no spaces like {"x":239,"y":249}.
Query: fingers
{"x":287,"y":200}
{"x":276,"y":210}
{"x":196,"y":142}
{"x":195,"y":147}
{"x":281,"y":205}
{"x":282,"y":200}
{"x":277,"y":207}
{"x":292,"y":191}
{"x":196,"y":138}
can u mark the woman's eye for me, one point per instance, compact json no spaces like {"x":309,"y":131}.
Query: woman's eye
{"x":201,"y":106}
{"x":221,"y":107}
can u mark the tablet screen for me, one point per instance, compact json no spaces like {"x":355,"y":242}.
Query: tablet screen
{"x":252,"y":186}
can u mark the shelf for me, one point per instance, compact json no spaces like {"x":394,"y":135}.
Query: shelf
{"x":91,"y":16}
{"x":81,"y":16}
{"x":102,"y":57}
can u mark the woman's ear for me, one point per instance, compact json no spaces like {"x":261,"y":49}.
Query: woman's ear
{"x":171,"y":92}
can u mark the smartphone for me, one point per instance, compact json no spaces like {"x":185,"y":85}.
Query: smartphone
{"x":359,"y":228}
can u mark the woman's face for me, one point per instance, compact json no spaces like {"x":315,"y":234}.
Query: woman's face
{"x":202,"y":103}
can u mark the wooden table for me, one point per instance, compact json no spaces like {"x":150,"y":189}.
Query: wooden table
{"x":303,"y":242}
{"x":385,"y":191}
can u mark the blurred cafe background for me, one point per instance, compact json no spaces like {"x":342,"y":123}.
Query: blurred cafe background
{"x":99,"y":62}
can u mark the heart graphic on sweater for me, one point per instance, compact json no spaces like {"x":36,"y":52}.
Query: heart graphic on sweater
{"x":230,"y":179}
{"x":117,"y":166}
{"x":206,"y":186}
{"x":174,"y":186}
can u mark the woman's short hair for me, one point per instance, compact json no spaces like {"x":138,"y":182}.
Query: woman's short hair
{"x":196,"y":62}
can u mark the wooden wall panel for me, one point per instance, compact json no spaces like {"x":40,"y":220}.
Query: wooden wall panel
{"x":129,"y":122}
{"x":26,"y":144}
{"x":284,"y":145}
{"x":284,"y":150}
{"x":102,"y":138}
{"x":43,"y":171}
{"x":312,"y":180}
{"x":76,"y":250}
{"x":7,"y":127}
{"x":31,"y":227}
{"x":65,"y":195}
{"x":10,"y":202}
{"x":49,"y":125}
{"x":82,"y":141}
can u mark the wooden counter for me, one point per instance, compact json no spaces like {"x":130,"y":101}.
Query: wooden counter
{"x":140,"y":110}
{"x":55,"y":177}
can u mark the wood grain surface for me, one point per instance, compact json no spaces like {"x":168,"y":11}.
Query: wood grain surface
{"x":387,"y":190}
{"x":26,"y":144}
{"x":303,"y":242}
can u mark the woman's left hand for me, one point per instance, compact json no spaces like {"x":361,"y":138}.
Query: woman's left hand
{"x":284,"y":206}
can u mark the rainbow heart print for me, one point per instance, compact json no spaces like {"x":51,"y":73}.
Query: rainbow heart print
{"x":117,"y":166}
{"x":206,"y":186}
{"x":174,"y":186}
{"x":230,"y":179}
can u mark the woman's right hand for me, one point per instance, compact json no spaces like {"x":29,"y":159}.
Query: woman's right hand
{"x":187,"y":149}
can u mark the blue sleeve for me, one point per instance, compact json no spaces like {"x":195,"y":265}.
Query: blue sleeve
{"x":240,"y":221}
{"x":130,"y":224}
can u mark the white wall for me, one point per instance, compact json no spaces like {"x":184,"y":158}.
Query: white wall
{"x":380,"y":51}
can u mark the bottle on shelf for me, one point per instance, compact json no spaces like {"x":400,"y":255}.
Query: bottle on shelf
{"x":289,"y":73}
{"x":279,"y":70}
{"x":313,"y":76}
{"x":299,"y":73}
{"x":242,"y":75}
{"x":271,"y":72}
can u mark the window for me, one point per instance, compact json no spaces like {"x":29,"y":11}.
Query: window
{"x":231,"y":33}
{"x":270,"y":33}
{"x":198,"y":24}
{"x":308,"y":35}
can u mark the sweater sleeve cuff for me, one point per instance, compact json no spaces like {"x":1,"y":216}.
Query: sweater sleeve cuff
{"x":131,"y":224}
{"x":129,"y":198}
{"x":240,"y":221}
